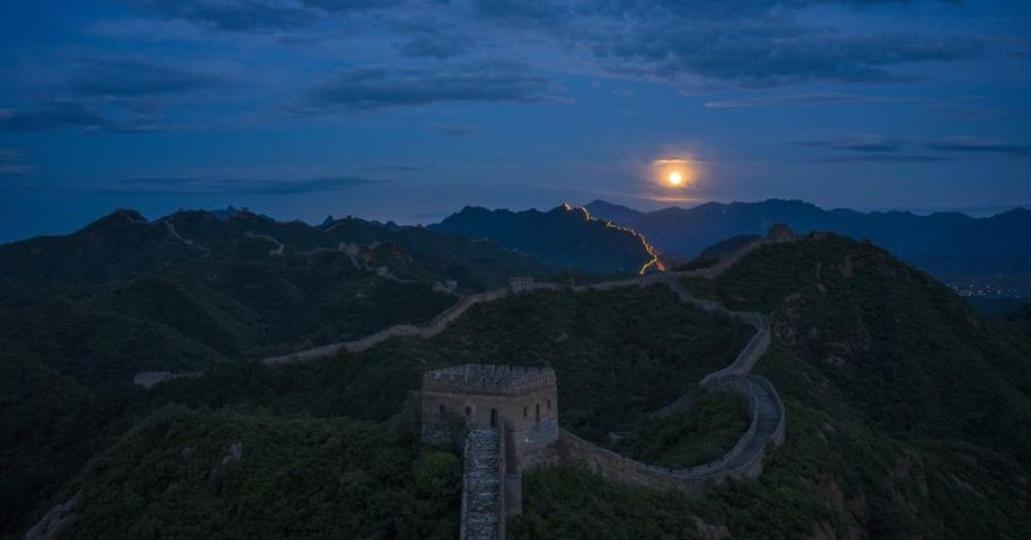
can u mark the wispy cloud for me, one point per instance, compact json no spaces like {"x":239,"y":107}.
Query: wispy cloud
{"x":857,"y":143}
{"x":132,"y":78}
{"x":449,"y":130}
{"x":882,"y":148}
{"x":14,"y":163}
{"x":232,"y":15}
{"x":110,"y":94}
{"x":216,"y":185}
{"x":977,"y":144}
{"x":800,"y":100}
{"x":257,"y":15}
{"x":52,"y":116}
{"x":884,"y":158}
{"x":388,"y":168}
{"x":379,"y":87}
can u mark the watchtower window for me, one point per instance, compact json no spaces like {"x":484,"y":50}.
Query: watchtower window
{"x":468,"y":411}
{"x":524,"y":411}
{"x":538,"y":412}
{"x":493,"y":418}
{"x":549,"y":404}
{"x":440,"y":408}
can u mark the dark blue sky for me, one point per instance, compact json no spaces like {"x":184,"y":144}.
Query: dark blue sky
{"x":410,"y":109}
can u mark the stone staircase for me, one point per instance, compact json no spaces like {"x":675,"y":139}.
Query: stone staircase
{"x":483,"y":506}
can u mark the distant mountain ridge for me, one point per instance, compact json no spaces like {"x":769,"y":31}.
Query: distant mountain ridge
{"x":124,"y":245}
{"x":192,"y":290}
{"x":953,"y":246}
{"x":566,"y":236}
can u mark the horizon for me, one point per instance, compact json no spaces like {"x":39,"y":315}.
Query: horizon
{"x":404,"y":110}
{"x":317,"y":221}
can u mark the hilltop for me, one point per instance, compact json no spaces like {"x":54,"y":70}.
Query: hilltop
{"x":908,"y":414}
{"x":956,"y":248}
{"x":126,"y":245}
{"x":566,"y":236}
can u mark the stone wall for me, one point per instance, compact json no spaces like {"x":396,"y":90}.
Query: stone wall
{"x":442,"y":410}
{"x":434,"y":327}
{"x":498,"y":379}
{"x":483,"y":486}
{"x":150,"y":379}
{"x":767,"y":425}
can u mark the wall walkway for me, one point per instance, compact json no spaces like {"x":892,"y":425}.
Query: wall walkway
{"x":483,"y":486}
{"x":768,"y":421}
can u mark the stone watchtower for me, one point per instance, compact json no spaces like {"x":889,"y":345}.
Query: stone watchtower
{"x":510,"y":416}
{"x":523,"y":400}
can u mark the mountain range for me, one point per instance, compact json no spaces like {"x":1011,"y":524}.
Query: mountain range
{"x":956,"y":248}
{"x":909,"y":415}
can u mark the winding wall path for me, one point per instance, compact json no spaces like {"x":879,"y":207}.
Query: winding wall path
{"x":768,"y":418}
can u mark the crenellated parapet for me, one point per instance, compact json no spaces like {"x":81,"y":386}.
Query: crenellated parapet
{"x":490,"y":379}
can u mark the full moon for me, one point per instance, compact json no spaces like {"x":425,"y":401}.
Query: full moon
{"x":674,"y":173}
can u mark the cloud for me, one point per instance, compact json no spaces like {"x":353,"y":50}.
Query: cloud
{"x":338,"y":6}
{"x":977,"y":144}
{"x":13,"y":163}
{"x":774,"y":54}
{"x":215,"y":185}
{"x":449,"y":130}
{"x":389,"y":168}
{"x":257,"y":15}
{"x":52,"y":116}
{"x":134,"y":78}
{"x":884,"y":148}
{"x":234,"y":15}
{"x":537,"y":11}
{"x":372,"y":88}
{"x":799,"y":100}
{"x":124,"y":95}
{"x":884,"y":158}
{"x":857,"y":143}
{"x":745,"y":43}
{"x":435,"y":45}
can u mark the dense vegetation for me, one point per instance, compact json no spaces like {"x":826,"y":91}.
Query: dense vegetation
{"x":618,"y":354}
{"x":50,"y":426}
{"x":694,"y":435}
{"x":895,"y":346}
{"x":832,"y":478}
{"x":187,"y":474}
{"x":125,"y":246}
{"x":80,"y":314}
{"x":907,"y":413}
{"x":125,"y":295}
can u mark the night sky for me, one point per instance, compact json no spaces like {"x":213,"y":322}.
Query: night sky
{"x":408,"y":110}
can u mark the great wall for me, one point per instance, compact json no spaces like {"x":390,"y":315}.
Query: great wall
{"x":484,"y":486}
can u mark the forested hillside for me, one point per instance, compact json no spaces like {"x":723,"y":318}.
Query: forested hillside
{"x":908,"y":414}
{"x":619,"y":354}
{"x":81,"y":314}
